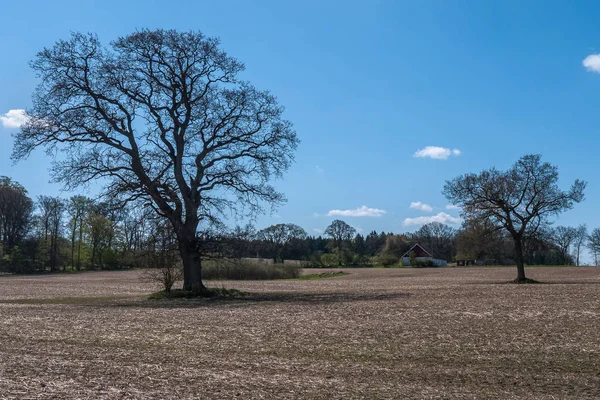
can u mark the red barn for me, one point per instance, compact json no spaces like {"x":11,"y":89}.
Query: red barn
{"x":422,"y":255}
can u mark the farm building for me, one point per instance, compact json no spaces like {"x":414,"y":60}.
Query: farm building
{"x":422,"y":255}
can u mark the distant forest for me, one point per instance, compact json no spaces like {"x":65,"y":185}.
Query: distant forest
{"x":77,"y":233}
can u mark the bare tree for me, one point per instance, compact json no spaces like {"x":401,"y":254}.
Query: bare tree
{"x":160,"y":116}
{"x":482,"y":240}
{"x":52,"y":209}
{"x":164,"y":261}
{"x":519,"y":200}
{"x":78,"y":207}
{"x":563,"y":237}
{"x":279,"y":236}
{"x":437,"y":238}
{"x":136,"y":224}
{"x":233,"y":245}
{"x":581,"y":236}
{"x":593,"y":243}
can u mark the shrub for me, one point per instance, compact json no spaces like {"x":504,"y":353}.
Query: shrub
{"x":165,"y":276}
{"x":424,"y":264}
{"x":238,"y":269}
{"x":331,"y":260}
{"x":110,"y":259}
{"x":413,"y":259}
{"x":165,"y":269}
{"x":387,"y":259}
{"x":315,"y":260}
{"x":362,"y":261}
{"x":346,"y":257}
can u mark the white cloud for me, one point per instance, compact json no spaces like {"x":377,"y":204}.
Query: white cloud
{"x":319,"y":231}
{"x":421,"y":206}
{"x":436,"y":152}
{"x":592,"y":63}
{"x":13,"y":118}
{"x":452,"y":207}
{"x":363,"y":211}
{"x":441,"y":217}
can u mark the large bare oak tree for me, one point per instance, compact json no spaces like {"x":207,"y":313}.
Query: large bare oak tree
{"x":162,"y":117}
{"x":519,"y":200}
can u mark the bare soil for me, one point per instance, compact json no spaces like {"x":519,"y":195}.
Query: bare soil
{"x":448,"y":333}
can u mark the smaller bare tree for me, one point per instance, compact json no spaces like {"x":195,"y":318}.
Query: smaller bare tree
{"x":165,"y":267}
{"x":593,"y":244}
{"x":519,"y":201}
{"x":581,"y":235}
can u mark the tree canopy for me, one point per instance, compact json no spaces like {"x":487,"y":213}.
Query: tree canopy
{"x":339,"y":231}
{"x":15,"y":213}
{"x":519,"y":200}
{"x":280,"y":235}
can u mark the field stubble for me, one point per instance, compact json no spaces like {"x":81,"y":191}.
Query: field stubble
{"x":375,"y":333}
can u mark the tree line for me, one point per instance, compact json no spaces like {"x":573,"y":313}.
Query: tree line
{"x":56,"y":234}
{"x":78,"y":233}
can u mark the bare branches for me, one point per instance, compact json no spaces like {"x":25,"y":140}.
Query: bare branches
{"x":158,"y":113}
{"x":521,"y":200}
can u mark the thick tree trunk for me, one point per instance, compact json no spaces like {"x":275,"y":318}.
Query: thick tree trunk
{"x":192,"y":267}
{"x":519,"y":256}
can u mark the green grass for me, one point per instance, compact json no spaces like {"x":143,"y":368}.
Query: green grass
{"x":231,"y":269}
{"x":322,"y":275}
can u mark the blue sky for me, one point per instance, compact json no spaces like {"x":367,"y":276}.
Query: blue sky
{"x":368,"y":85}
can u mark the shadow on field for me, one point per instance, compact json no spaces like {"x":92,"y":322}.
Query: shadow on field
{"x":255,"y":298}
{"x":537,"y":283}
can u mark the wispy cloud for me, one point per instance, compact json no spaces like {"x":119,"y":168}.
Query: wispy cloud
{"x":363,"y":211}
{"x":13,"y":118}
{"x":441,"y":217}
{"x":452,"y":207}
{"x":436,"y":152}
{"x":417,"y":205}
{"x":592,"y":63}
{"x":317,"y":230}
{"x":319,"y":169}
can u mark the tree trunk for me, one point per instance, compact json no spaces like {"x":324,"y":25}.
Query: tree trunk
{"x":519,"y":255}
{"x":192,"y":266}
{"x":79,"y":246}
{"x":93,"y":259}
{"x":52,"y":253}
{"x":73,"y":248}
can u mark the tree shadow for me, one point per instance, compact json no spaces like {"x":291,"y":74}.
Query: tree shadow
{"x":248,"y":299}
{"x":537,"y":283}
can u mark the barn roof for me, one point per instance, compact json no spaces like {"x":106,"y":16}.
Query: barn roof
{"x":412,"y":248}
